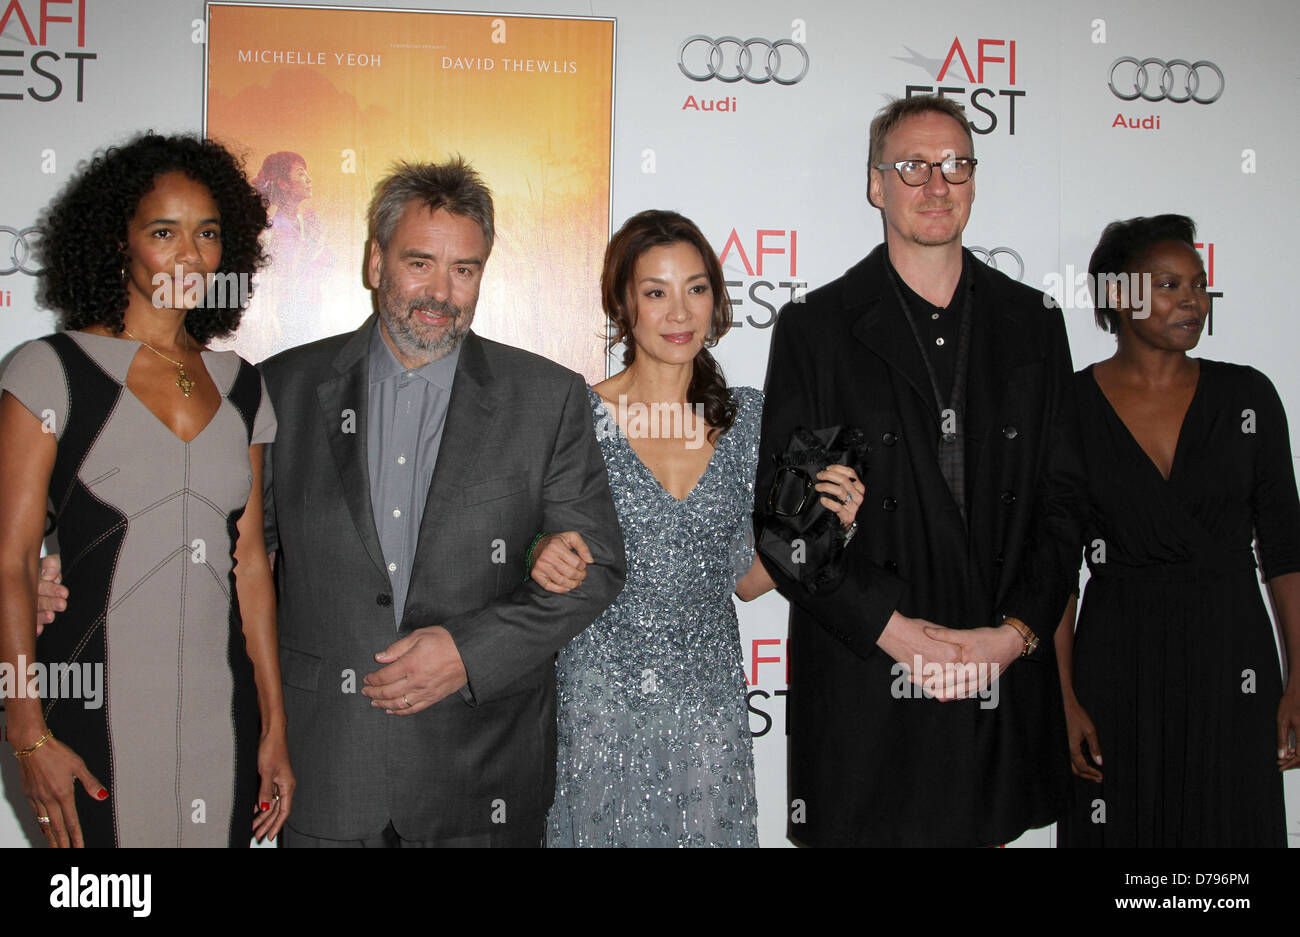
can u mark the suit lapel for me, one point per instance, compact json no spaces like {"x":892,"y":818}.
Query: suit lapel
{"x":883,"y":327}
{"x":470,"y":414}
{"x":347,"y":438}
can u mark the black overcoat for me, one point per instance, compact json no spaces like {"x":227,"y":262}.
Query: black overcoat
{"x":870,"y":762}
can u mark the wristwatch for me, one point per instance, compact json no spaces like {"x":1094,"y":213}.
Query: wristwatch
{"x":1026,"y":633}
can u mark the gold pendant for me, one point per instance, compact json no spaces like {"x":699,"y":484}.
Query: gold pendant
{"x":183,"y":380}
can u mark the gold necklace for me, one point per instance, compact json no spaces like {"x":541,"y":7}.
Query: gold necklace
{"x":182,"y":379}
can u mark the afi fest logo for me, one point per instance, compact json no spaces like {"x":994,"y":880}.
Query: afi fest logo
{"x":1207,"y":250}
{"x":768,"y":284}
{"x":995,"y":65}
{"x":51,"y":60}
{"x":1177,"y":81}
{"x":760,"y":702}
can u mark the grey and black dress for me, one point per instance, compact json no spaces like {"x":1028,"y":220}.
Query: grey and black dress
{"x":654,"y":740}
{"x":146,"y":530}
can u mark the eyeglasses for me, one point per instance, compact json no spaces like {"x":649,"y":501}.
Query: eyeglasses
{"x":955,"y":169}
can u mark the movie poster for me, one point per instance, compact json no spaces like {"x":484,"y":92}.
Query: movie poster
{"x":322,"y":101}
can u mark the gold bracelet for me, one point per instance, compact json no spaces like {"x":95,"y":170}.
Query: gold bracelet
{"x":1026,"y":634}
{"x":24,"y":752}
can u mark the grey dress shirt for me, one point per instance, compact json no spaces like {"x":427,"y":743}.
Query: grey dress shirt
{"x":406,"y":412}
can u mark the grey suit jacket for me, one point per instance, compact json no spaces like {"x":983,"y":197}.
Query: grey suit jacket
{"x":518,"y":456}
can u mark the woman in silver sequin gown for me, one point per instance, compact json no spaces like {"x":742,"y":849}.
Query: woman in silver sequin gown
{"x":653,"y":731}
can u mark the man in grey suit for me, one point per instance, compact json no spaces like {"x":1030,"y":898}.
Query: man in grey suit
{"x":415,"y":462}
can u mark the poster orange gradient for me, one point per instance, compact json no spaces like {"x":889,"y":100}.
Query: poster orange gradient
{"x":321,"y":101}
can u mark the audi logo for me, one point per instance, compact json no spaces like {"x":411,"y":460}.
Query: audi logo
{"x":731,"y":59}
{"x":990,"y":256}
{"x":16,"y":257}
{"x":1179,"y":81}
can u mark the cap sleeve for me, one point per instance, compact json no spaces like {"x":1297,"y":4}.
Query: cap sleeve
{"x":36,"y":379}
{"x":264,"y":422}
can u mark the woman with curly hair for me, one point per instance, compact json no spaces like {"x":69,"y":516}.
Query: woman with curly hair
{"x":147,"y":449}
{"x":654,"y":743}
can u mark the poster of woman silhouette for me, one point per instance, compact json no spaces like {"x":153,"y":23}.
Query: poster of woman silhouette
{"x":321,"y":101}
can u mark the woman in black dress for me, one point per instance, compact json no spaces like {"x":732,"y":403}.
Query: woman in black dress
{"x":1173,"y":673}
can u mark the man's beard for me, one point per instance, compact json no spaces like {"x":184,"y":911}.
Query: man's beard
{"x":935,"y":242}
{"x":410,"y":335}
{"x":925,"y":241}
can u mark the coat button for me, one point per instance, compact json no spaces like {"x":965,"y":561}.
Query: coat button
{"x":999,"y":560}
{"x":950,"y":437}
{"x":1010,"y":431}
{"x":384,"y":599}
{"x":1008,"y":497}
{"x":890,"y":566}
{"x":889,"y":504}
{"x":889,"y":439}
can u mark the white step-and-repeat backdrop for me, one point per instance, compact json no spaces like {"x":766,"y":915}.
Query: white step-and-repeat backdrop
{"x":750,"y":116}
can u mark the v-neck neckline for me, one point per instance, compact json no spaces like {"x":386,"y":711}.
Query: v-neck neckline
{"x":622,"y":437}
{"x":1182,"y":427}
{"x":203,"y":353}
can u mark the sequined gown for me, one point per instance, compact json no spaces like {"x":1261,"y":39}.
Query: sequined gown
{"x":654,"y":741}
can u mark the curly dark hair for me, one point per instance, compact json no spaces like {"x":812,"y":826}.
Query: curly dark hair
{"x":1123,"y":245}
{"x":656,"y":228}
{"x":84,"y":230}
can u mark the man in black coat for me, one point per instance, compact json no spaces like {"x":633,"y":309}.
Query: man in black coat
{"x":961,"y":380}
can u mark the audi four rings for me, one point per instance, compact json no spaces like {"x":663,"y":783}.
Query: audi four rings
{"x":732,"y":59}
{"x":15,"y":258}
{"x":990,"y":256}
{"x":1180,"y":80}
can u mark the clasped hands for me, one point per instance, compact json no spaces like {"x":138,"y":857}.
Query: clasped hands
{"x":926,"y":649}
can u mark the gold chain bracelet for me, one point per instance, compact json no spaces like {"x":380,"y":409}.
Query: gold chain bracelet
{"x":24,"y":752}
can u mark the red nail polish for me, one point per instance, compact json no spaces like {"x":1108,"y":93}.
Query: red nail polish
{"x":266,"y":805}
{"x":102,"y":794}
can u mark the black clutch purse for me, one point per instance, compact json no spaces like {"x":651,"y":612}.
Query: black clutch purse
{"x":797,"y":533}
